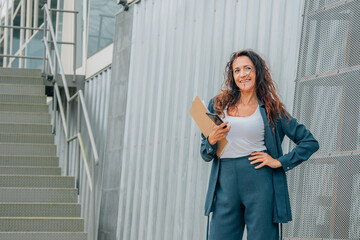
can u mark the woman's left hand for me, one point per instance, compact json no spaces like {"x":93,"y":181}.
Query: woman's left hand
{"x":264,"y":159}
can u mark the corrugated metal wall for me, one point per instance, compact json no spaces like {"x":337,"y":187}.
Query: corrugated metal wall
{"x":179,"y":50}
{"x":96,"y":92}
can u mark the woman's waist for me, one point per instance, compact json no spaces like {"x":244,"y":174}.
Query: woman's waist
{"x":224,"y":158}
{"x":231,"y":151}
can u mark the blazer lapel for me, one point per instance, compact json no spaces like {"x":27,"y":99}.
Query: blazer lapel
{"x":270,"y":141}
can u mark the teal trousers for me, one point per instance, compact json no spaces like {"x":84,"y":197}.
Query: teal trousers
{"x":244,"y":197}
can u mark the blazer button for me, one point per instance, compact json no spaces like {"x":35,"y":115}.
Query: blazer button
{"x":288,"y":168}
{"x":209,"y":149}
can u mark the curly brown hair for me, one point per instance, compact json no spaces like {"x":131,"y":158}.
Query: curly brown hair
{"x":265,"y":88}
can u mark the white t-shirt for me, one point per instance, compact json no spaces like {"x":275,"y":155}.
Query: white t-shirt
{"x":246,"y":135}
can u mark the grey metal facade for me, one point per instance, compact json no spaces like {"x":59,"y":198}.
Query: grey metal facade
{"x":325,"y":191}
{"x":96,"y":89}
{"x":179,"y":50}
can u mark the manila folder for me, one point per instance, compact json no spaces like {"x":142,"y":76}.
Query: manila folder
{"x":198,"y":112}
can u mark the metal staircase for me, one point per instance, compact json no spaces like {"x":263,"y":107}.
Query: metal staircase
{"x":36,"y":202}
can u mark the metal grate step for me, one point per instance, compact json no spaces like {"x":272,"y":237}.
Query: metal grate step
{"x":26,"y":138}
{"x":32,"y":224}
{"x":27,"y":149}
{"x":20,"y":170}
{"x":25,"y":128}
{"x":22,"y":89}
{"x":40,"y":210}
{"x":29,"y":72}
{"x":28,"y":80}
{"x":34,"y":99}
{"x":43,"y":236}
{"x":37,"y":181}
{"x":44,"y":195}
{"x":19,"y":160}
{"x":28,"y":118}
{"x":23,"y":107}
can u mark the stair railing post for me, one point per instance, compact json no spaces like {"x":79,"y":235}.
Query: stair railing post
{"x":67,"y":142}
{"x":53,"y":44}
{"x":74,"y":47}
{"x":78,"y":154}
{"x":44,"y":56}
{"x":54,"y":105}
{"x":93,"y":206}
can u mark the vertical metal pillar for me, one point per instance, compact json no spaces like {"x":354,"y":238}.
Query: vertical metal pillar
{"x":6,"y":32}
{"x":22,"y":32}
{"x":36,"y":13}
{"x":45,"y":70}
{"x":11,"y":35}
{"x":74,"y":47}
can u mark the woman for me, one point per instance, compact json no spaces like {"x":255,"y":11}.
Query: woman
{"x":250,"y":186}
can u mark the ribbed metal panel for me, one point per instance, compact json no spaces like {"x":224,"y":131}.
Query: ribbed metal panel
{"x":96,"y":93}
{"x":179,"y":50}
{"x":97,"y":90}
{"x":325,"y":191}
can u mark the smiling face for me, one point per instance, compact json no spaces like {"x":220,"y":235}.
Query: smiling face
{"x":244,"y":74}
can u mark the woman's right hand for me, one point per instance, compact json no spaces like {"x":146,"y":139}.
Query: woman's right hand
{"x":218,"y":132}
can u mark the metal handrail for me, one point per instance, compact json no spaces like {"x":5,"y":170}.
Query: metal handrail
{"x":17,"y":56}
{"x":81,"y":104}
{"x":19,"y":27}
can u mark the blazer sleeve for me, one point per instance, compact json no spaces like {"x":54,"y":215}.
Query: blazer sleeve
{"x":305,"y":142}
{"x":208,"y":151}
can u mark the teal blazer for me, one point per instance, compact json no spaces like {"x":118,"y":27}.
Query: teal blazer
{"x":306,"y":146}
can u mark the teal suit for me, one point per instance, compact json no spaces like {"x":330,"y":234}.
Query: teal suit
{"x":306,"y":146}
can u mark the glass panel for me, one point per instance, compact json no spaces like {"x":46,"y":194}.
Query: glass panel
{"x":101,"y":24}
{"x":35,"y":48}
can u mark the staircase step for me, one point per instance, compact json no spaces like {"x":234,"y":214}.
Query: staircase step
{"x":43,"y":235}
{"x":23,"y":107}
{"x":25,"y":128}
{"x":43,"y":224}
{"x":26,"y":138}
{"x":27,"y":149}
{"x":11,"y":170}
{"x":43,"y":195}
{"x":28,"y":80}
{"x":16,"y":117}
{"x":37,"y":181}
{"x":40,"y":210}
{"x":33,"y":99}
{"x":22,"y":89}
{"x":14,"y":160}
{"x":29,"y":72}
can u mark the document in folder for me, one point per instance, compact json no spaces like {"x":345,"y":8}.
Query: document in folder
{"x":198,"y":112}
